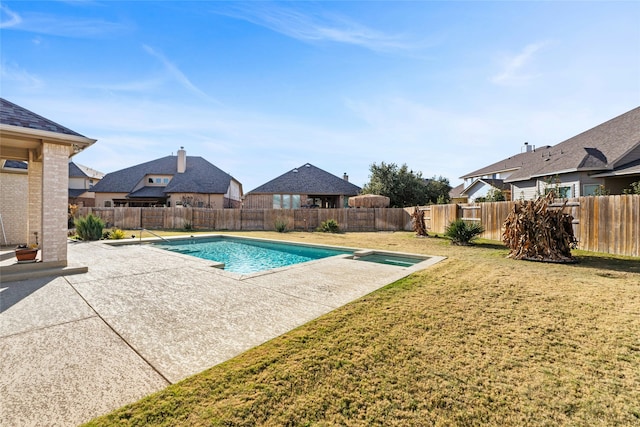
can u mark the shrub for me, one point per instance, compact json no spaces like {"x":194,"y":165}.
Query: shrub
{"x":462,"y":232}
{"x":187,"y":226}
{"x":116,"y":234}
{"x":89,"y":227}
{"x":634,"y":188}
{"x":329,"y":226}
{"x":281,"y":225}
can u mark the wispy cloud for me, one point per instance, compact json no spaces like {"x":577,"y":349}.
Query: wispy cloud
{"x":178,"y":75}
{"x":513,"y":70}
{"x":59,"y":25}
{"x":8,"y":18}
{"x":316,"y":27}
{"x":13,"y":73}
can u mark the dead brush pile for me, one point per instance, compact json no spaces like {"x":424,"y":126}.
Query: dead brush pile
{"x":418,"y":222}
{"x":534,"y":231}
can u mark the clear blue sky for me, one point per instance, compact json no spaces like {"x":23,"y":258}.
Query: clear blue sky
{"x":259,"y":88}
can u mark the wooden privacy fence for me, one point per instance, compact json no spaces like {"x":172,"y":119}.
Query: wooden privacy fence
{"x":609,"y":224}
{"x":361,"y":219}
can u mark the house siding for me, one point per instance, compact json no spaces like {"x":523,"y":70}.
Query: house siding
{"x":526,"y":190}
{"x":102,"y":198}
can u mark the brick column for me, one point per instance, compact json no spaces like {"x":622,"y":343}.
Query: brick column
{"x":34,"y":212}
{"x":55,"y":200}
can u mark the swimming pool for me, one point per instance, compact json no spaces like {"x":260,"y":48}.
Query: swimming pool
{"x":247,"y":255}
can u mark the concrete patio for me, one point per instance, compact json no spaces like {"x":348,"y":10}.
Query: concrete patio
{"x":141,"y":318}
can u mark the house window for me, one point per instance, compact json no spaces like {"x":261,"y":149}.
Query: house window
{"x":561,"y":192}
{"x":107,"y":204}
{"x":150,"y":180}
{"x":165,"y":181}
{"x":286,"y":201}
{"x":591,"y":190}
{"x":277,"y":201}
{"x":158,"y":180}
{"x":295,"y":201}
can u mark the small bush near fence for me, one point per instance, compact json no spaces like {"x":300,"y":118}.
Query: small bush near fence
{"x":280,"y":225}
{"x":463,"y":232}
{"x":89,"y":227}
{"x":329,"y":226}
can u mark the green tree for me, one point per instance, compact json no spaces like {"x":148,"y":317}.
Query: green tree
{"x":400,"y":184}
{"x":438,"y":190}
{"x":405,"y":187}
{"x":634,"y":188}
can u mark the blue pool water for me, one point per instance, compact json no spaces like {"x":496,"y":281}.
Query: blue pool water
{"x":249,"y":256}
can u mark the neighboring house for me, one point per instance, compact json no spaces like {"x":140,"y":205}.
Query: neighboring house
{"x":169,"y":181}
{"x":455,"y":194}
{"x":303,"y":187}
{"x":477,"y":184}
{"x":81,"y":182}
{"x":34,"y":204}
{"x":604,"y":158}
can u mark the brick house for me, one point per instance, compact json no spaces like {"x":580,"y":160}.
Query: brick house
{"x":34,"y":204}
{"x":82,"y":179}
{"x":302,"y":187}
{"x":169,"y":181}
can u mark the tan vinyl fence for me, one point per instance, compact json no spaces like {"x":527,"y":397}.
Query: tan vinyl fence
{"x":609,"y":224}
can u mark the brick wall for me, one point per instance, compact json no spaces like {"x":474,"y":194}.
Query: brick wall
{"x":13,"y":208}
{"x":55,"y":198}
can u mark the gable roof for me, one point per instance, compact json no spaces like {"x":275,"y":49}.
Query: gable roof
{"x":79,"y":171}
{"x":15,"y":115}
{"x":308,"y":179}
{"x":494,"y":183}
{"x":456,"y":191}
{"x":510,"y":163}
{"x":200,"y":176}
{"x":602,"y":148}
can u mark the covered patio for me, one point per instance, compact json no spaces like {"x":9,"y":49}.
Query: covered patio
{"x":35,"y":205}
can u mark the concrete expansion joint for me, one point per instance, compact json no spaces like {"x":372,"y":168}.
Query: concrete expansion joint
{"x":124,"y":340}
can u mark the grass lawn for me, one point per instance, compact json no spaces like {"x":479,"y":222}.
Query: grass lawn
{"x":477,"y":339}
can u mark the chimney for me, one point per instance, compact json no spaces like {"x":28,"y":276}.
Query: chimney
{"x":345,"y":177}
{"x":528,"y":148}
{"x":182,"y":160}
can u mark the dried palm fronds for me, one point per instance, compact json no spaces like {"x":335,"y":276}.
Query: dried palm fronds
{"x":534,"y":231}
{"x":418,"y":222}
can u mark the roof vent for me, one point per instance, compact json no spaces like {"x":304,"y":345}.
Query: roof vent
{"x":295,"y":171}
{"x":308,"y":165}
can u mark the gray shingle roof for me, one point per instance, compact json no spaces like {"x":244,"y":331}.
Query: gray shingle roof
{"x":75,"y":171}
{"x":604,"y":147}
{"x":200,"y":176}
{"x":495,"y":183}
{"x":456,"y":191}
{"x":308,"y":179}
{"x":12,"y":114}
{"x":76,"y":192}
{"x":152,"y":192}
{"x":510,"y":163}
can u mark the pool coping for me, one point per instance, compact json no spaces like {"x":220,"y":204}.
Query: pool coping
{"x":427,"y":260}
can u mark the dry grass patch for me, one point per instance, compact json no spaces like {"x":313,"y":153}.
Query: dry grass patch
{"x":476,"y":339}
